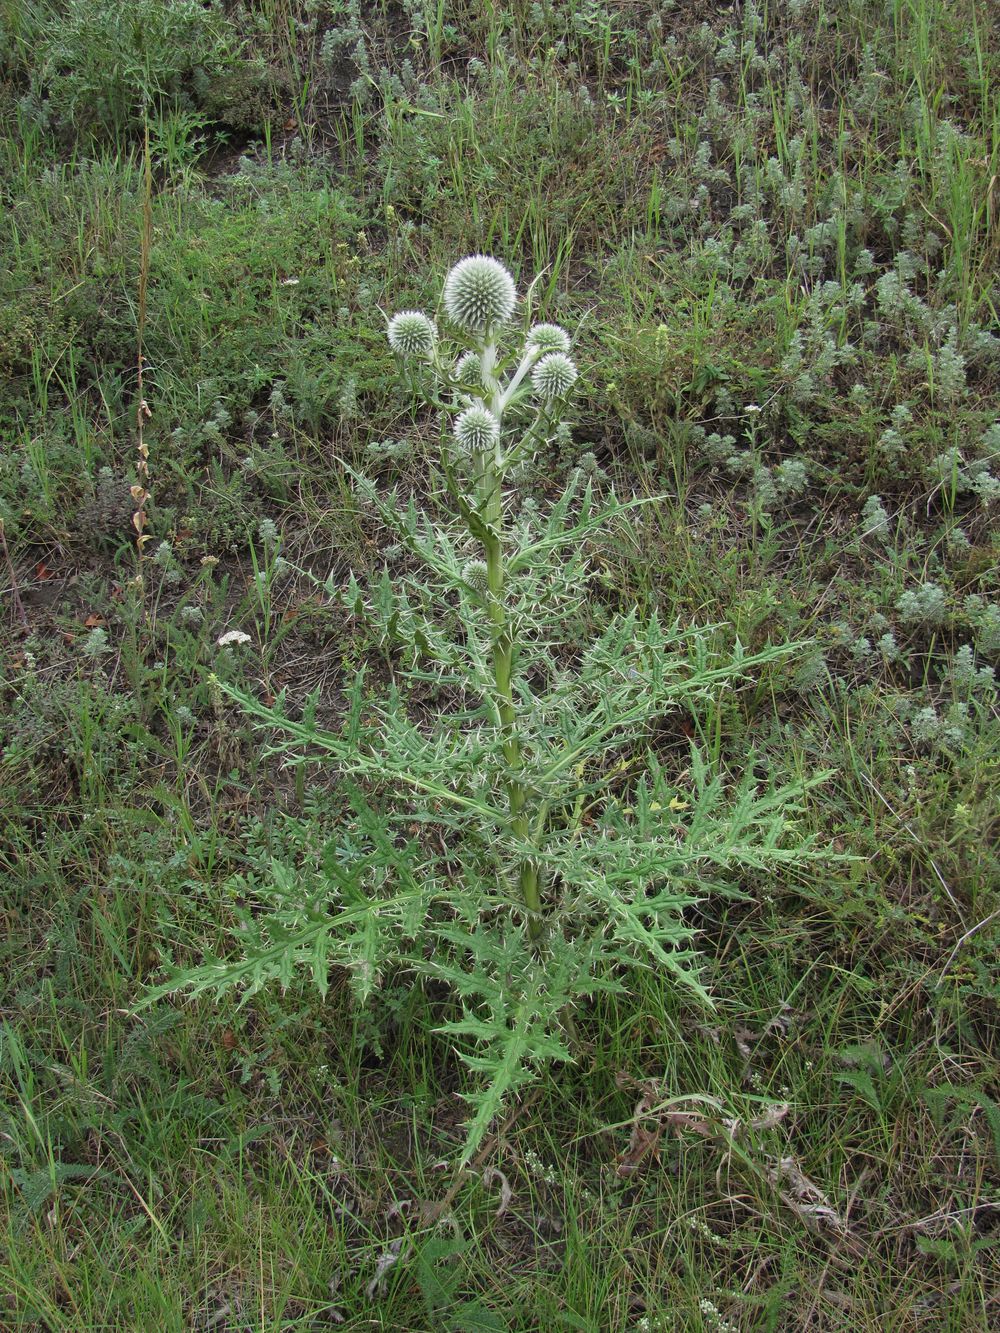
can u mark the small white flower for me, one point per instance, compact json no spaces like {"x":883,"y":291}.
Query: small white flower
{"x":554,"y":376}
{"x":232,"y":636}
{"x":477,"y":429}
{"x":479,"y":293}
{"x":412,"y":334}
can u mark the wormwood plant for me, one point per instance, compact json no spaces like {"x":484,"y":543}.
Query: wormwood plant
{"x":524,"y":844}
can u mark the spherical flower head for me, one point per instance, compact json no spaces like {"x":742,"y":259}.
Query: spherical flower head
{"x":477,"y":429}
{"x":469,"y":370}
{"x":479,"y":294}
{"x":547,"y":338}
{"x":411,"y":334}
{"x":554,"y":376}
{"x":476,"y":575}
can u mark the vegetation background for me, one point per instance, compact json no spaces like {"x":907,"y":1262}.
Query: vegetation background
{"x":777,"y":229}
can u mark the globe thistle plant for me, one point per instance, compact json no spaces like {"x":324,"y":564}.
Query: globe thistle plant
{"x":544,"y":881}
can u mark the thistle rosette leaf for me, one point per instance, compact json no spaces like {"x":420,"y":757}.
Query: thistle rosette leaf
{"x":547,"y":338}
{"x":412,"y":335}
{"x":554,"y":376}
{"x":477,"y":429}
{"x":479,"y":294}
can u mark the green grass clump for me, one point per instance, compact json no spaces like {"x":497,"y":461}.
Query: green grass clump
{"x":93,"y":69}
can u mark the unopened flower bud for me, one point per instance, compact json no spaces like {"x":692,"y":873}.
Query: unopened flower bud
{"x":548,"y":338}
{"x":412,"y":334}
{"x":476,"y":575}
{"x":554,"y":376}
{"x":468,"y":369}
{"x":477,"y":429}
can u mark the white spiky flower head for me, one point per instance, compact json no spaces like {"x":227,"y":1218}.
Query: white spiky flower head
{"x":479,"y":294}
{"x":477,"y":428}
{"x":476,"y":575}
{"x":411,"y":334}
{"x":548,"y":338}
{"x":554,"y":376}
{"x":469,"y":369}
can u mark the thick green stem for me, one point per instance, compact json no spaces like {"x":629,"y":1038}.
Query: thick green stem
{"x":503,"y":660}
